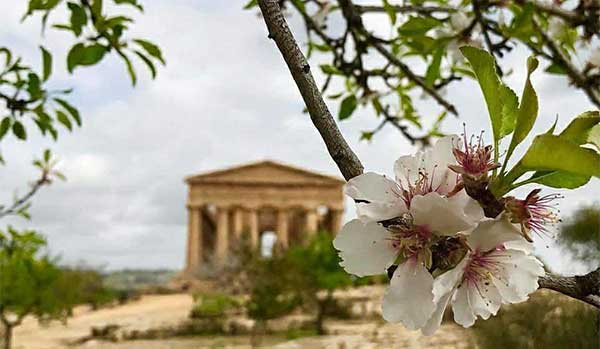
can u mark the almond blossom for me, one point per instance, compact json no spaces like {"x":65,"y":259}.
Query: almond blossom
{"x":402,"y":220}
{"x":499,"y":269}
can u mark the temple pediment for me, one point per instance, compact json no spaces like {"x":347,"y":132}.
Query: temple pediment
{"x":265,"y":172}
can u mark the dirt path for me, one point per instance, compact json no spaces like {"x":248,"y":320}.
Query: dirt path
{"x":148,"y":312}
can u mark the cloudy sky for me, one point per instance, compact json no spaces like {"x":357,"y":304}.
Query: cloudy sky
{"x":224,"y":98}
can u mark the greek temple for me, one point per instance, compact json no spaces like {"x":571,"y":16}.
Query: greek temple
{"x":245,"y":202}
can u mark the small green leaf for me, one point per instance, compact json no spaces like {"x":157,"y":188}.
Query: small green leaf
{"x":580,"y":128}
{"x":130,"y":2}
{"x":148,"y":63}
{"x":418,"y":26}
{"x":64,"y":119}
{"x":389,"y":9}
{"x":152,"y":49}
{"x":34,"y":86}
{"x":330,"y":70}
{"x":527,"y":111}
{"x":78,"y":18}
{"x":366,"y":136}
{"x":553,"y":153}
{"x":97,"y":9}
{"x":81,"y":55}
{"x":47,"y":155}
{"x":19,"y":130}
{"x":347,"y":107}
{"x":433,"y":71}
{"x":555,"y":69}
{"x":46,"y":63}
{"x":250,"y":4}
{"x":5,"y":126}
{"x":130,"y":69}
{"x":71,"y":109}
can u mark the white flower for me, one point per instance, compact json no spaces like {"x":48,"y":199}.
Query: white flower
{"x":595,"y":57}
{"x":459,"y":21}
{"x":556,"y":28}
{"x":498,"y":270}
{"x":421,"y":210}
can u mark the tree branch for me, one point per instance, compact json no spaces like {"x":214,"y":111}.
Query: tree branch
{"x":585,"y":288}
{"x":338,"y":148}
{"x":406,"y":9}
{"x":354,"y":20}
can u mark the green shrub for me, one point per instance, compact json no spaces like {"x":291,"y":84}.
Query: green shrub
{"x":546,"y":321}
{"x":212,"y":305}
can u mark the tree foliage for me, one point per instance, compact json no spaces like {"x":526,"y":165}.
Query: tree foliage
{"x":581,"y":234}
{"x":30,"y":282}
{"x":418,"y":51}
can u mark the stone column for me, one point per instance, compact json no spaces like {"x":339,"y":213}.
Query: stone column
{"x":336,"y":220}
{"x":282,"y":227}
{"x":238,"y":222}
{"x":194,"y":241}
{"x":222,"y":243}
{"x":253,"y":219}
{"x":312,"y":221}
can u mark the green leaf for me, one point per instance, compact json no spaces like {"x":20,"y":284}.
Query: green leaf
{"x":71,"y":109}
{"x":497,"y":95}
{"x":81,"y":55}
{"x":527,"y":111}
{"x":97,"y":9}
{"x":78,"y":18}
{"x":46,"y":63}
{"x":250,"y":4}
{"x":433,"y":71}
{"x":560,"y":179}
{"x":130,"y":69}
{"x":366,"y":135}
{"x":34,"y":86}
{"x":47,"y":155}
{"x":418,"y":26}
{"x":4,"y":126}
{"x":64,"y":119}
{"x":389,"y":9}
{"x":347,"y":107}
{"x":580,"y":128}
{"x":19,"y":130}
{"x":148,"y":63}
{"x":594,"y":136}
{"x":554,"y":153}
{"x":130,"y":2}
{"x":330,"y":70}
{"x":152,"y":49}
{"x":555,"y":69}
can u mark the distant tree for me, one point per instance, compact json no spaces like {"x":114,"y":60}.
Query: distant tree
{"x":30,"y":283}
{"x":581,"y":234}
{"x":272,"y":292}
{"x":317,"y":273}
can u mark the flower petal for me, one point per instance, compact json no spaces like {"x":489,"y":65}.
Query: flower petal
{"x":379,"y":197}
{"x":439,"y":215}
{"x":435,"y":320}
{"x":448,"y":281}
{"x":463,"y":314}
{"x":437,"y":160}
{"x":365,"y":248}
{"x":493,"y":233}
{"x":433,"y":162}
{"x":470,"y":207}
{"x":409,"y":298}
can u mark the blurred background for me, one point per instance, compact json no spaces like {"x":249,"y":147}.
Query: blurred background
{"x":116,"y":232}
